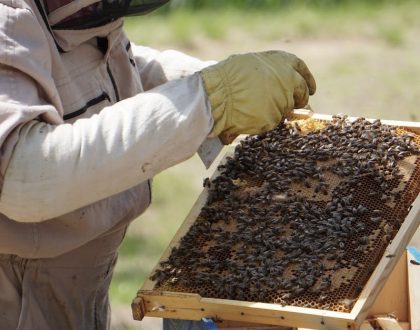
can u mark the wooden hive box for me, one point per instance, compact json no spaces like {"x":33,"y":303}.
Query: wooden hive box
{"x":167,"y":301}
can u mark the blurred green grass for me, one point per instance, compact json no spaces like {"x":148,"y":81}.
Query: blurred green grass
{"x":364,"y":55}
{"x":388,"y":20}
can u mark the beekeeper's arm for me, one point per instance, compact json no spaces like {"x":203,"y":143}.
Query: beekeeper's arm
{"x":235,"y":87}
{"x":51,"y":168}
{"x":55,"y":169}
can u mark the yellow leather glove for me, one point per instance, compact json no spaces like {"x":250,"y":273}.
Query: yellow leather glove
{"x":251,"y":93}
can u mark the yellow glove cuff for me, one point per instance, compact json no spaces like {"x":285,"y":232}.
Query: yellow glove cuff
{"x":217,"y":88}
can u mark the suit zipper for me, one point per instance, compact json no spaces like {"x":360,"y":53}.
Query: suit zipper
{"x":108,"y":69}
{"x":82,"y":110}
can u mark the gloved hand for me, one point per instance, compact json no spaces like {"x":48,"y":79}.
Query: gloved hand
{"x":251,"y":93}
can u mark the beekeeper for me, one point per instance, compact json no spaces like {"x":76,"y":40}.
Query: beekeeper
{"x":86,"y":119}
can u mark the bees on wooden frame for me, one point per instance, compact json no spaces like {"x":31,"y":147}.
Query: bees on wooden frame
{"x":277,"y":228}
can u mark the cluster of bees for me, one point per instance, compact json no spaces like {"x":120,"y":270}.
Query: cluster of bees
{"x":291,"y":210}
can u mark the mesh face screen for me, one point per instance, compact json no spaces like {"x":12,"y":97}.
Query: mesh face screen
{"x":299,"y":216}
{"x":103,"y":12}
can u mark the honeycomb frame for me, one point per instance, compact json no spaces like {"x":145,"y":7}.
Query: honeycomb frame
{"x":394,"y":249}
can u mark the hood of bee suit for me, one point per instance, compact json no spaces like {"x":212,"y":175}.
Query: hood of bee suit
{"x":75,"y":21}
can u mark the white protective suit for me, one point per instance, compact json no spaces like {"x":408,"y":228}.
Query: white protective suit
{"x":82,"y":131}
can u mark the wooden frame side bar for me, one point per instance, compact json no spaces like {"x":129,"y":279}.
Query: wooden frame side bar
{"x":385,"y":266}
